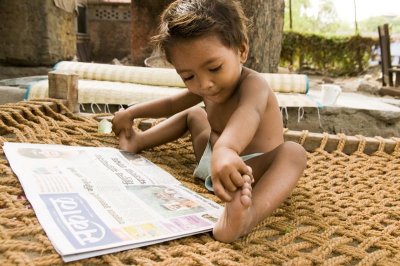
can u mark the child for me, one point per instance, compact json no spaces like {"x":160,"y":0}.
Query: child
{"x":238,"y":138}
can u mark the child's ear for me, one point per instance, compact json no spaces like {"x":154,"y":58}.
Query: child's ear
{"x":243,"y":52}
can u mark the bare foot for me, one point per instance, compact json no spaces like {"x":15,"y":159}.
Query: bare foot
{"x":128,"y":144}
{"x":236,"y":219}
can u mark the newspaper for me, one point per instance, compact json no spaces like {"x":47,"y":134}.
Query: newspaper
{"x":93,"y":200}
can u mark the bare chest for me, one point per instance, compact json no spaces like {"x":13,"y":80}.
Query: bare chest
{"x":219,"y":114}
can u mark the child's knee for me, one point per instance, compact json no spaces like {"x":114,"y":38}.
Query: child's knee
{"x":196,"y":112}
{"x":197,"y":118}
{"x":296,"y":153}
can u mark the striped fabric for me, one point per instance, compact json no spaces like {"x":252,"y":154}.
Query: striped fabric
{"x":129,"y":74}
{"x":107,"y":92}
{"x":287,"y":83}
{"x":168,"y":77}
{"x":114,"y":84}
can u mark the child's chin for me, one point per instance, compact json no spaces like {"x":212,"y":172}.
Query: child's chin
{"x":216,"y":99}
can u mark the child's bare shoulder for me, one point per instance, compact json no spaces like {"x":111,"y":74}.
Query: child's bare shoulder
{"x":253,"y":80}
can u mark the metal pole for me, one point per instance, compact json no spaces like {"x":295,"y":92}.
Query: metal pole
{"x":290,"y":15}
{"x":355,"y":17}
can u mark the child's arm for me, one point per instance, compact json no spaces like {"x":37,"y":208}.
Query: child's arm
{"x":164,"y":107}
{"x":227,"y":167}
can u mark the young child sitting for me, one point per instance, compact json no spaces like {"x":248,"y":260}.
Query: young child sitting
{"x":238,"y":138}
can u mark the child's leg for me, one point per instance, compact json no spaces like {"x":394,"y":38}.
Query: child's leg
{"x":193,"y":119}
{"x":276,"y":174}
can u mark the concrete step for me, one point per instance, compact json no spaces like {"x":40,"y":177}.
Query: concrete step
{"x":10,"y":94}
{"x":22,"y":82}
{"x":14,"y":89}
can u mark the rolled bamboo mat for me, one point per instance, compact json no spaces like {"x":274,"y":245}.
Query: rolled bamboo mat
{"x":345,"y":209}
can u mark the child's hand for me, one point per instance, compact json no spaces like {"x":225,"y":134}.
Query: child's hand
{"x":227,"y":169}
{"x":122,"y":121}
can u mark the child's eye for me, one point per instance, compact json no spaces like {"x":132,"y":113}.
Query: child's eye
{"x":187,"y":78}
{"x":215,"y":69}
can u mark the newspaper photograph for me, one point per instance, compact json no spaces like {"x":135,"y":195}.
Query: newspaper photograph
{"x":98,"y":200}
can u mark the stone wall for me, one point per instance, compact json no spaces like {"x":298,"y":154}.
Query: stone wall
{"x":109,"y":31}
{"x":35,"y":33}
{"x":349,"y":121}
{"x":145,"y":20}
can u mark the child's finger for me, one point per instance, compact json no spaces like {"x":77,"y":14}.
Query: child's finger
{"x":247,"y":179}
{"x":250,"y":170}
{"x":237,"y":179}
{"x":250,"y":173}
{"x":220,"y":191}
{"x":128,"y":132}
{"x":115,"y":130}
{"x":229,"y":185}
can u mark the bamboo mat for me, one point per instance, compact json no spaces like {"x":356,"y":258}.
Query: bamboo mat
{"x":344,"y":211}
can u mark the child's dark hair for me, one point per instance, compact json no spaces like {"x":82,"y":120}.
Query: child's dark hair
{"x":187,"y":19}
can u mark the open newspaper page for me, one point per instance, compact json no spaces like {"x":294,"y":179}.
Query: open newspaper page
{"x":92,"y":200}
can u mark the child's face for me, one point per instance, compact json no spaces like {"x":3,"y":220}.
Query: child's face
{"x":208,"y":67}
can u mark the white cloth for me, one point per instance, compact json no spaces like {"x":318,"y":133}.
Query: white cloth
{"x":70,"y":5}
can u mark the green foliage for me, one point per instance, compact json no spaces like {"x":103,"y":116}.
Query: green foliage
{"x":323,"y":22}
{"x":329,"y":55}
{"x":318,"y":40}
{"x":370,"y":25}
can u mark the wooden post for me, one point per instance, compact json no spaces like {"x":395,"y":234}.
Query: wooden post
{"x":64,"y":85}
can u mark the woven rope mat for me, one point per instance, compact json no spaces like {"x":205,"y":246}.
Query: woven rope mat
{"x":344,"y":211}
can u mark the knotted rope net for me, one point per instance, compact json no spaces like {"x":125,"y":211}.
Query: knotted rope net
{"x":344,"y":211}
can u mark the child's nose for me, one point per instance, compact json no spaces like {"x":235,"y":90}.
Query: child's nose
{"x":205,"y":83}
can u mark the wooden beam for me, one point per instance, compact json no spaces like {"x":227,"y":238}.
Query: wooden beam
{"x":313,"y":140}
{"x":352,"y":143}
{"x":391,"y":91}
{"x":64,"y":85}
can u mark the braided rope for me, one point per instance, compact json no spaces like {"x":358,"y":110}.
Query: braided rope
{"x":345,"y":209}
